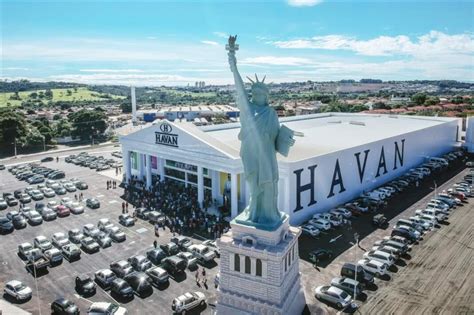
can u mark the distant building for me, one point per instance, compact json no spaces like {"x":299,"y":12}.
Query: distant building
{"x":399,"y":100}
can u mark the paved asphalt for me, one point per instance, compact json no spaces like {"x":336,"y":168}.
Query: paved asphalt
{"x":59,"y":281}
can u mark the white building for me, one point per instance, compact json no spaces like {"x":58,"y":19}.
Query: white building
{"x":340,"y":156}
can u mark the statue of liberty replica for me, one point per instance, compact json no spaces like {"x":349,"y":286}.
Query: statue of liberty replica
{"x":261,"y":138}
{"x":259,"y":264}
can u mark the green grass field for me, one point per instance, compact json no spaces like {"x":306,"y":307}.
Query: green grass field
{"x":82,"y":94}
{"x":186,"y":93}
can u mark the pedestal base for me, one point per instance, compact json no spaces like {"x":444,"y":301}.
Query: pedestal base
{"x":259,"y":271}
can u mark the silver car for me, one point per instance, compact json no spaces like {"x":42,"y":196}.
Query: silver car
{"x":333,"y":295}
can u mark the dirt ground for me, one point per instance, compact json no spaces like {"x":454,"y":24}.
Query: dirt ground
{"x":439,"y":279}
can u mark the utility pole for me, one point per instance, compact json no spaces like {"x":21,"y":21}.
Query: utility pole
{"x":44,"y":143}
{"x":15,"y":148}
{"x":356,"y":238}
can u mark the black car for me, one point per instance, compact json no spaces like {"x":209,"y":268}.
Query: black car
{"x":379,"y":220}
{"x":404,"y":233}
{"x":6,"y":226}
{"x":19,"y":221}
{"x":174,"y":264}
{"x":64,"y":306}
{"x":121,"y":288}
{"x":81,"y":185}
{"x":170,"y":249}
{"x":85,"y":285}
{"x":142,"y":213}
{"x":17,"y":193}
{"x":2,"y":167}
{"x":93,"y":203}
{"x":156,"y":255}
{"x":57,"y":175}
{"x":348,"y":270}
{"x":140,"y":283}
{"x":47,"y":159}
{"x":11,"y":201}
{"x":319,"y":254}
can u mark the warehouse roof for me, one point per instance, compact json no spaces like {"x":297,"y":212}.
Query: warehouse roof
{"x":325,"y":133}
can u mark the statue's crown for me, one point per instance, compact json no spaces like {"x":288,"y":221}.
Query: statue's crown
{"x":258,"y":84}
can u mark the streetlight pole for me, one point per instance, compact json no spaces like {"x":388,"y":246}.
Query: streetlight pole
{"x":44,"y":143}
{"x":15,"y":147}
{"x":356,"y":239}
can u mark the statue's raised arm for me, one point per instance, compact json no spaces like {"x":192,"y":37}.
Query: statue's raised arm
{"x":242,"y":98}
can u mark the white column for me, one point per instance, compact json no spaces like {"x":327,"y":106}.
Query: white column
{"x":200,"y":184}
{"x":234,"y":208}
{"x":127,"y":164}
{"x":215,"y":184}
{"x":148,"y":171}
{"x":161,"y":168}
{"x":242,"y":188}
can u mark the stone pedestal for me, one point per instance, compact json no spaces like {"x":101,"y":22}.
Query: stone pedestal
{"x":259,"y":271}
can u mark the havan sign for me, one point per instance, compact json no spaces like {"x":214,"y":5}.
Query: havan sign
{"x":165,"y":136}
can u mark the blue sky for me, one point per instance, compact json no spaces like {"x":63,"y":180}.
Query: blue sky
{"x":179,"y":42}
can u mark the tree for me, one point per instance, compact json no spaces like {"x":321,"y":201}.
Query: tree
{"x":126,"y":107}
{"x":33,"y":95}
{"x":431,"y":100}
{"x":56,"y":117}
{"x":13,"y":126}
{"x":48,"y":94}
{"x":419,"y":98}
{"x":88,"y":123}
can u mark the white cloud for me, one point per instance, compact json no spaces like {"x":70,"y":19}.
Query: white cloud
{"x":111,"y":70}
{"x":16,"y":68}
{"x":304,"y":3}
{"x":151,"y":37}
{"x":276,"y":61}
{"x":221,"y":34}
{"x":210,"y":42}
{"x":431,"y":43}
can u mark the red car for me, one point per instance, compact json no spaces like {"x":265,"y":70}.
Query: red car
{"x":63,"y":211}
{"x":354,"y":209}
{"x":458,"y":195}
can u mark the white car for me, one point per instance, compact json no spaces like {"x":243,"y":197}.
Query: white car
{"x":426,"y":224}
{"x":66,"y":201}
{"x":76,"y":208}
{"x":373,"y":266}
{"x":90,"y":230}
{"x":17,"y":290}
{"x":70,"y":187}
{"x":42,"y":243}
{"x":432,"y":212}
{"x":321,"y":224}
{"x":381,"y":256}
{"x":188,"y":301}
{"x":341,"y":212}
{"x":105,"y":308}
{"x":104,"y":224}
{"x":333,"y":295}
{"x":331,"y":218}
{"x":59,"y":240}
{"x":52,"y":204}
{"x":395,"y":252}
{"x":310,"y":230}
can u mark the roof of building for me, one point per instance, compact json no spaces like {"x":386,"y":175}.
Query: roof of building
{"x":326,"y":133}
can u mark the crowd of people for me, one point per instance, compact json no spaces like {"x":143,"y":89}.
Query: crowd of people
{"x":184,"y":214}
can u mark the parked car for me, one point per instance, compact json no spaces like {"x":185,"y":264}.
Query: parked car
{"x":173,"y":265}
{"x":19,"y":221}
{"x":81,"y":185}
{"x":348,"y":285}
{"x":90,"y":230}
{"x":6,"y":226}
{"x":310,"y":230}
{"x":62,"y":211}
{"x":75,"y":236}
{"x":142,"y":213}
{"x":24,"y":249}
{"x":76,"y":208}
{"x":202,"y":253}
{"x":183,"y":242}
{"x":104,"y":278}
{"x":375,"y":267}
{"x":188,"y":301}
{"x":89,"y":245}
{"x":59,"y":240}
{"x":379,"y":220}
{"x":71,"y":252}
{"x":381,"y":256}
{"x":25,"y":198}
{"x":48,"y":214}
{"x":121,"y":268}
{"x":121,"y":288}
{"x":140,"y":283}
{"x":189,"y":258}
{"x":116,"y":234}
{"x":105,"y":308}
{"x":103,"y":240}
{"x":11,"y":201}
{"x":333,"y":295}
{"x":354,"y":272}
{"x":320,"y":224}
{"x":158,"y":275}
{"x":319,"y":255}
{"x":85,"y":285}
{"x":170,"y":249}
{"x":48,"y":192}
{"x":17,"y":290}
{"x":42,"y":243}
{"x":213,"y":246}
{"x":54,"y":256}
{"x":140,"y":262}
{"x":3,"y":204}
{"x":93,"y":203}
{"x":155,"y":255}
{"x":64,"y":306}
{"x":34,"y":218}
{"x":126,"y":220}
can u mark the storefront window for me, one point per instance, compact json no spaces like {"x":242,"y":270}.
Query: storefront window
{"x":183,"y":166}
{"x":175,"y":173}
{"x":207,"y":182}
{"x":192,"y":178}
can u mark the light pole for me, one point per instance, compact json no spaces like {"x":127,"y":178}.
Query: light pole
{"x":44,"y":142}
{"x":356,"y":239}
{"x":92,"y":135}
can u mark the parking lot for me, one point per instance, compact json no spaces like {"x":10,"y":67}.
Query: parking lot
{"x":59,"y":280}
{"x":409,"y":288}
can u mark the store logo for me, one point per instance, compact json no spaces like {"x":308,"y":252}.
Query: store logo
{"x":166,"y":128}
{"x":165,"y":137}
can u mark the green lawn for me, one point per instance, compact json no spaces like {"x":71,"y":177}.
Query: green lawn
{"x":188,"y":93}
{"x":82,"y":94}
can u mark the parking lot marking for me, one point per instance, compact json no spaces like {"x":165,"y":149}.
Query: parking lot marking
{"x":100,"y":196}
{"x":141,"y":230}
{"x":113,"y":201}
{"x":332,"y":240}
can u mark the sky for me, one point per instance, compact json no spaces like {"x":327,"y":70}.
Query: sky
{"x":179,"y":42}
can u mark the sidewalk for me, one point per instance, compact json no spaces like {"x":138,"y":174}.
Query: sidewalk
{"x":8,"y":308}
